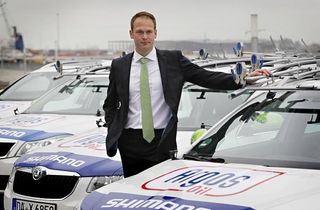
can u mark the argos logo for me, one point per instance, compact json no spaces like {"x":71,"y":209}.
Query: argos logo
{"x":210,"y":181}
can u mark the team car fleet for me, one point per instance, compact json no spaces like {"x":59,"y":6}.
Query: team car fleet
{"x":60,"y":175}
{"x":59,"y":159}
{"x":66,"y":110}
{"x":18,"y":96}
{"x":79,"y":164}
{"x":262,"y":155}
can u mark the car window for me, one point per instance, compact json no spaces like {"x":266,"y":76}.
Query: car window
{"x":81,"y":96}
{"x":200,"y":105}
{"x":283,"y":131}
{"x":31,"y":86}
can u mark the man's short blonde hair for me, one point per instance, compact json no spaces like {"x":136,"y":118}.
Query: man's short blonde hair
{"x":143,"y":14}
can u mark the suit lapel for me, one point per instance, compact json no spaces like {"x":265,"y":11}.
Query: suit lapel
{"x":162,"y":60}
{"x":125,"y":74}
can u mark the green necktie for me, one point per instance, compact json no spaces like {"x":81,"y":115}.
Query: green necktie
{"x":145,"y":100}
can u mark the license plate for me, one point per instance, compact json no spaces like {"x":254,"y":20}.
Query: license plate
{"x":18,"y":204}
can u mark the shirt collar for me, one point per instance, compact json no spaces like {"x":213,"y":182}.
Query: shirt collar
{"x":151,"y":56}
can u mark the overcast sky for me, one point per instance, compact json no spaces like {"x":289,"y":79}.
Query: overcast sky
{"x":92,"y":23}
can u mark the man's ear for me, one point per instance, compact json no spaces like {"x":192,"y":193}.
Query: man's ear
{"x":131,"y":34}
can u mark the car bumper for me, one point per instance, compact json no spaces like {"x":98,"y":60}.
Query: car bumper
{"x":6,"y":165}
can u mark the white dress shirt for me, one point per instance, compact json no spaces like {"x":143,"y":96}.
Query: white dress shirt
{"x":160,"y":110}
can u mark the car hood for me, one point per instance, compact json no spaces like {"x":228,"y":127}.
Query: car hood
{"x":84,"y":154}
{"x":205,"y":185}
{"x":7,"y":107}
{"x":31,"y":127}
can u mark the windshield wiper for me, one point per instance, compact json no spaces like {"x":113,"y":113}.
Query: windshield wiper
{"x":203,"y":158}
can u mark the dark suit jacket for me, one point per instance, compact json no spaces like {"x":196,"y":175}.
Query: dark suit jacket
{"x":175,"y":69}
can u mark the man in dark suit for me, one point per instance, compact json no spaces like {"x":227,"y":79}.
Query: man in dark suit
{"x":139,"y":147}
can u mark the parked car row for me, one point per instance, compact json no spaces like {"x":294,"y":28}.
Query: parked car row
{"x":73,"y":108}
{"x":262,"y":155}
{"x":18,"y":96}
{"x":56,"y":154}
{"x":69,"y":107}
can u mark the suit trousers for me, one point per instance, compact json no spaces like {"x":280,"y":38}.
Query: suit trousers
{"x":136,"y":153}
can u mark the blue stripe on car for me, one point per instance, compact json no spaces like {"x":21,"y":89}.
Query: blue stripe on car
{"x":84,"y":165}
{"x":120,"y":201}
{"x":27,"y":134}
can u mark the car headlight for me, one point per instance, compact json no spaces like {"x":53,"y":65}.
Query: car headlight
{"x":32,"y":145}
{"x":100,"y":181}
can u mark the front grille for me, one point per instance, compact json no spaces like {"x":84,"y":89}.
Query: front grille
{"x":1,"y":202}
{"x":5,"y":148}
{"x":49,"y":186}
{"x":3,"y":181}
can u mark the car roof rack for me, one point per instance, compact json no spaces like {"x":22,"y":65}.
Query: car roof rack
{"x":95,"y":69}
{"x":276,"y":88}
{"x":280,"y":86}
{"x":283,"y":74}
{"x":284,"y":69}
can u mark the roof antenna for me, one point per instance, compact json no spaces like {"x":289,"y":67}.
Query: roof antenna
{"x":274,"y":45}
{"x":306,"y":47}
{"x":58,"y":67}
{"x":203,"y":54}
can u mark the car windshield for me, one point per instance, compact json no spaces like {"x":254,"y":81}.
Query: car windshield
{"x":204,"y":106}
{"x":80,"y":96}
{"x":31,"y":87}
{"x":281,"y":131}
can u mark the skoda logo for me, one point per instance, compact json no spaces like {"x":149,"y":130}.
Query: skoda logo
{"x":38,"y":172}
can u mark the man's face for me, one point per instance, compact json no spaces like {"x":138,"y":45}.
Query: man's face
{"x":143,"y":34}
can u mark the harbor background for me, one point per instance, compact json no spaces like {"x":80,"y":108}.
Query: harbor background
{"x":16,"y":67}
{"x":72,"y":29}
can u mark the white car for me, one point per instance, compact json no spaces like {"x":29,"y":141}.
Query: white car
{"x":60,"y":175}
{"x":199,"y":108}
{"x":17,"y":193}
{"x":69,"y":109}
{"x":263,"y":155}
{"x":19,"y":95}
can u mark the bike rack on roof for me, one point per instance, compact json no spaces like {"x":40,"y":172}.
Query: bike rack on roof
{"x":285,"y":69}
{"x":93,"y":69}
{"x":284,"y":77}
{"x":79,"y":68}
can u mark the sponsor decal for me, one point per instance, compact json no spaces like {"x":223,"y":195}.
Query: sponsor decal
{"x":84,"y":165}
{"x":210,"y":181}
{"x":11,"y":133}
{"x":93,"y":141}
{"x":26,"y":134}
{"x":5,"y":106}
{"x":28,"y":120}
{"x":60,"y":159}
{"x":131,"y":201}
